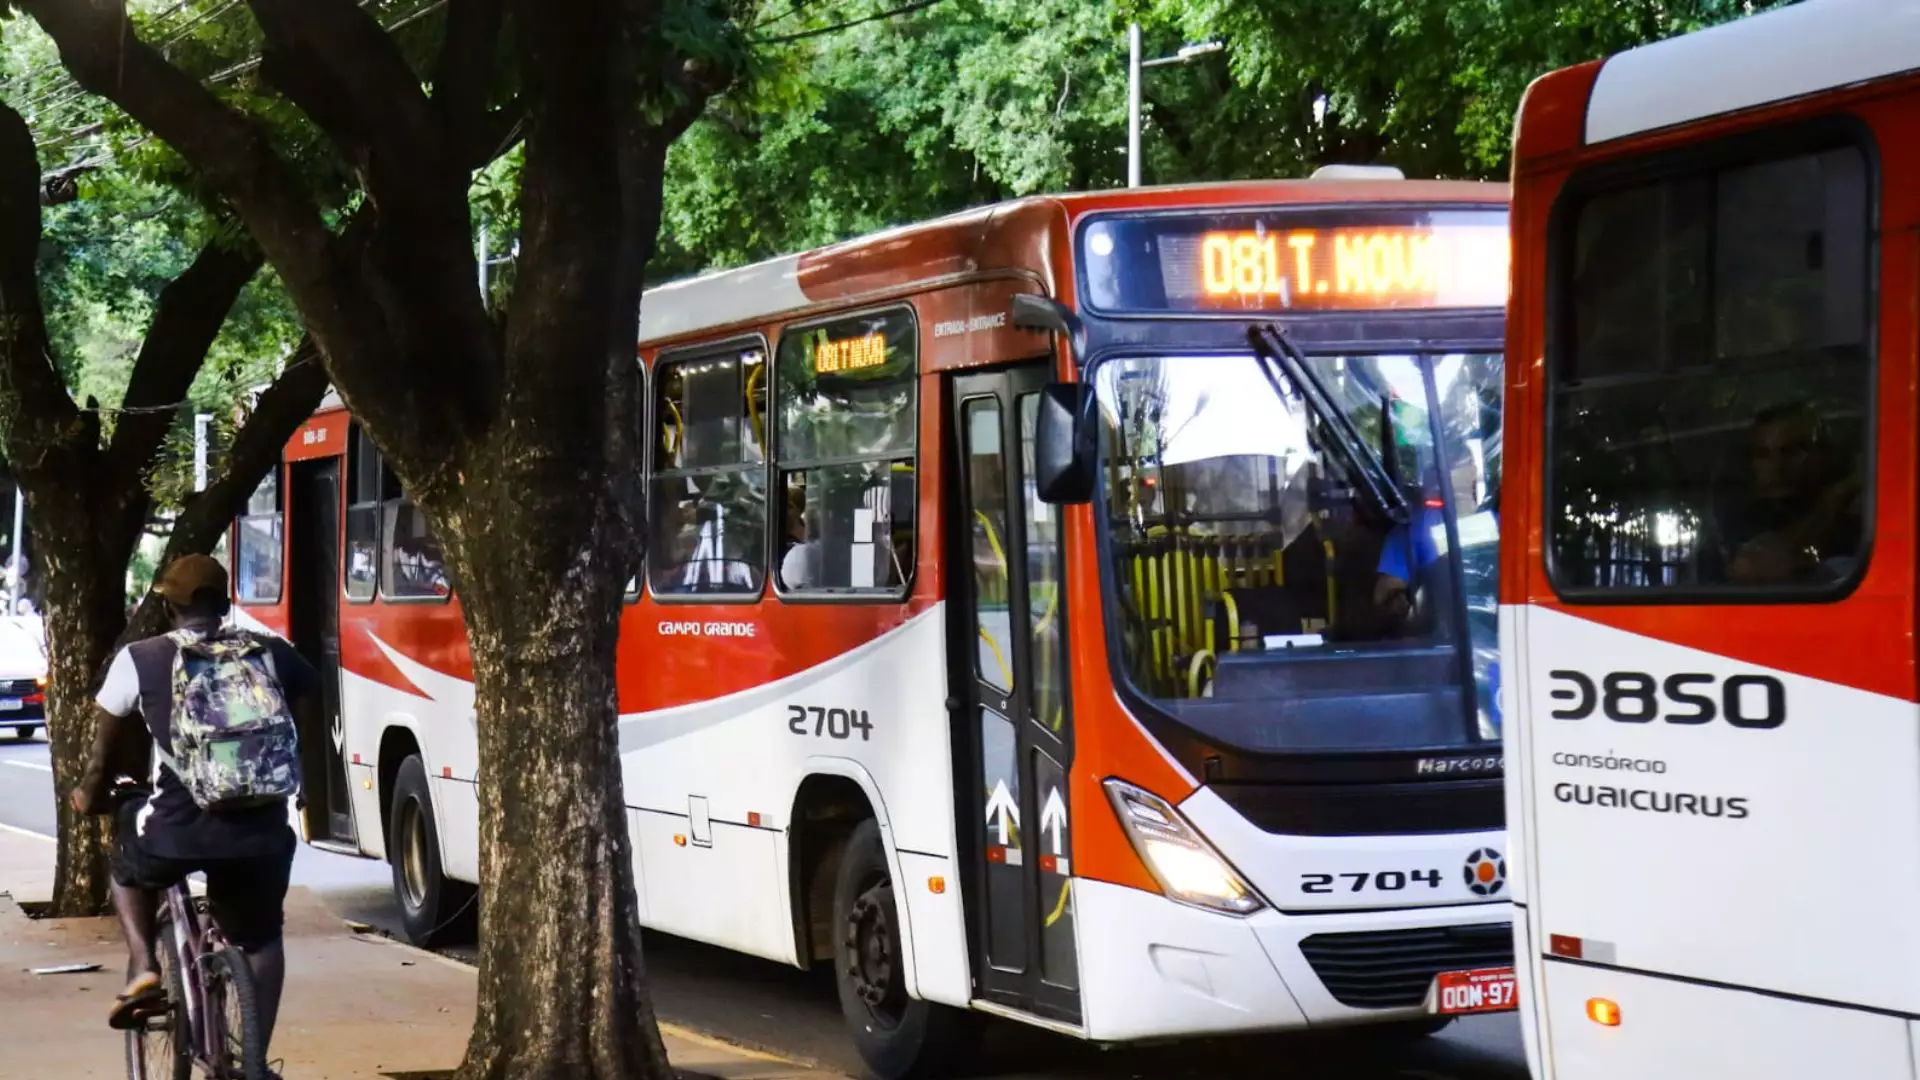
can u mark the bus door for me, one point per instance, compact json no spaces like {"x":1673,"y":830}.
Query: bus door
{"x":314,"y":629}
{"x":1013,"y":726}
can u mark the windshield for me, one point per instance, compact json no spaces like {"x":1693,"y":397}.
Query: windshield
{"x":1260,"y":591}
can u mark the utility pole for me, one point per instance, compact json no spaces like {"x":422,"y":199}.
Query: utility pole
{"x":19,"y":524}
{"x":201,"y":423}
{"x":1134,"y":66}
{"x":1133,"y":105}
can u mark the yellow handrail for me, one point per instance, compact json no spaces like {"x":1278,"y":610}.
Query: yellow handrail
{"x":674,"y":431}
{"x":1201,"y":658}
{"x":999,"y":658}
{"x":753,"y":407}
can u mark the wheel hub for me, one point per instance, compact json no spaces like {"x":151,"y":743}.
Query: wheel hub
{"x":413,"y":860}
{"x":869,"y":947}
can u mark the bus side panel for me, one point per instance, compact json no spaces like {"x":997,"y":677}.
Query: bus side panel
{"x":1672,"y":1030}
{"x":1520,"y":833}
{"x":874,"y":714}
{"x":1694,"y":842}
{"x":406,"y":674}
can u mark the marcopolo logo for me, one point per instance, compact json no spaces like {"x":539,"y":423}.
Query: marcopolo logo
{"x":1485,"y":872}
{"x":1457,"y":765}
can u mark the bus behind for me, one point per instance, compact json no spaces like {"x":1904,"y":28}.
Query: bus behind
{"x":1708,"y":581}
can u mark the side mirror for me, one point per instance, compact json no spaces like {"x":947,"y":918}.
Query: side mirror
{"x":1063,"y":444}
{"x":1032,"y":311}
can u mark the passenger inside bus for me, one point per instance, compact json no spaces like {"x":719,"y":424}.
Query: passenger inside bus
{"x":1801,"y":514}
{"x":800,"y":565}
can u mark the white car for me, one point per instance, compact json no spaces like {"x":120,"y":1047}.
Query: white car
{"x":23,"y":674}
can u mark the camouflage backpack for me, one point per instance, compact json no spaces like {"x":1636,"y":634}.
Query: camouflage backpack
{"x":234,"y":740}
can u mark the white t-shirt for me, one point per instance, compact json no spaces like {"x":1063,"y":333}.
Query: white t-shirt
{"x":120,"y":693}
{"x":797,"y":569}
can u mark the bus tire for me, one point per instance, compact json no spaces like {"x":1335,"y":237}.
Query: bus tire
{"x":433,"y":909}
{"x":899,"y":1037}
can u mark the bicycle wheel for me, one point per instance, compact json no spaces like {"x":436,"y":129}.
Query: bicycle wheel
{"x":236,"y":1012}
{"x":162,"y":1047}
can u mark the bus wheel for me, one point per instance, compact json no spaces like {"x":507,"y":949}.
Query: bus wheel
{"x":897,"y":1036}
{"x":433,"y":909}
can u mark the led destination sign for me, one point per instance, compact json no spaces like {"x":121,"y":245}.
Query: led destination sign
{"x":1223,"y":263}
{"x":852,"y":354}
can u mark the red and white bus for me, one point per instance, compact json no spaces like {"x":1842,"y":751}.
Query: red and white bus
{"x":1708,"y":589}
{"x":1171,"y":754}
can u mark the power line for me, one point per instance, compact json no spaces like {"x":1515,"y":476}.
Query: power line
{"x":66,"y":85}
{"x":224,"y":75}
{"x":848,"y":25}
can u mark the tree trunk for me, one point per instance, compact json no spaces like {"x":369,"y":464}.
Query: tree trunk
{"x":85,"y":612}
{"x":560,"y":959}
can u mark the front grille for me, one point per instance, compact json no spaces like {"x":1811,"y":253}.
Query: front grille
{"x":1391,"y":969}
{"x":1415,"y":807}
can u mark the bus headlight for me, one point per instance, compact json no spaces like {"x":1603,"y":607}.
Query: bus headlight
{"x":1187,"y":867}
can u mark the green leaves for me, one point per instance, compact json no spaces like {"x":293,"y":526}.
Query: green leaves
{"x":971,"y":101}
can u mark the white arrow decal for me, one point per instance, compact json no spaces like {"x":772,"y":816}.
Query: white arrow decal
{"x":1053,"y":817}
{"x":1001,"y":804}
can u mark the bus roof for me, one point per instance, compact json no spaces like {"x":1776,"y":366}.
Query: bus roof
{"x":1803,"y":49}
{"x":980,"y":241}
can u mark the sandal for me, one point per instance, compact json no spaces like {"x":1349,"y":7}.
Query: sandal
{"x":145,"y":990}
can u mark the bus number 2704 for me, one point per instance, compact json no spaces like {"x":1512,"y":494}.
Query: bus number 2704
{"x":1385,"y":881}
{"x":829,"y":723}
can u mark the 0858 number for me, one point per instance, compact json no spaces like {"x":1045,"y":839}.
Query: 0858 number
{"x":829,"y":723}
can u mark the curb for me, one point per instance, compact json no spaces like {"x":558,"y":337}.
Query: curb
{"x":375,"y":936}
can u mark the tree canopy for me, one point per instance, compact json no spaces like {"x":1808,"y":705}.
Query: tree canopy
{"x":850,"y":123}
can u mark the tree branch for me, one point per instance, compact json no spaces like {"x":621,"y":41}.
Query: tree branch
{"x":325,"y":278}
{"x":463,"y":75}
{"x":32,"y":398}
{"x":99,"y":48}
{"x":192,"y":309}
{"x":342,"y":69}
{"x":571,"y":205}
{"x":257,"y":447}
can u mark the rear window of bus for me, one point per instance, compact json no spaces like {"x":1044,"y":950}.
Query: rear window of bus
{"x":1710,"y":377}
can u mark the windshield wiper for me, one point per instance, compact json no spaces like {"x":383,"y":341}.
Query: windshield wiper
{"x":1275,"y":348}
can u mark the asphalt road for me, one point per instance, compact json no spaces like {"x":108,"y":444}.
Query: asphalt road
{"x":795,"y":1013}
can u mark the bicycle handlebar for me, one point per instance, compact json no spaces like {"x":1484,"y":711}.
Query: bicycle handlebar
{"x":121,"y":793}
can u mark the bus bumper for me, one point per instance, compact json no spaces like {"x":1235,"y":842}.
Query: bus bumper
{"x":1152,"y":968}
{"x":1673,"y":1030}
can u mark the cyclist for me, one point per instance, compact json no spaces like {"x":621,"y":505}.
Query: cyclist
{"x":246,"y":854}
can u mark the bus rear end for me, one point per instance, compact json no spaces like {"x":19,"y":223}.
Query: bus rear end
{"x":1707,"y":584}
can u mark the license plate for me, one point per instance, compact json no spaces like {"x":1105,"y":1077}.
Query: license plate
{"x":9,"y":704}
{"x":1456,"y":993}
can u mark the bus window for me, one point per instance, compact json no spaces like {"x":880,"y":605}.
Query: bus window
{"x":411,"y":566}
{"x":257,"y":545}
{"x":1242,"y":541}
{"x":363,"y":516}
{"x":631,"y":594}
{"x":1709,"y":401}
{"x":846,"y":455}
{"x":709,"y":484}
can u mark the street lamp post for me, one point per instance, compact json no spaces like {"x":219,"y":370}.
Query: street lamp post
{"x":1134,"y":66}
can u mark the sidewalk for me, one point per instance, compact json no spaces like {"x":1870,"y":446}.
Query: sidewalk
{"x":358,"y":1007}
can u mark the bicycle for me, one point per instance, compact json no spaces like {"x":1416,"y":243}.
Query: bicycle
{"x":208,"y":1022}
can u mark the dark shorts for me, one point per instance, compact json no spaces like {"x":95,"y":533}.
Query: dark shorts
{"x":247,"y":896}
